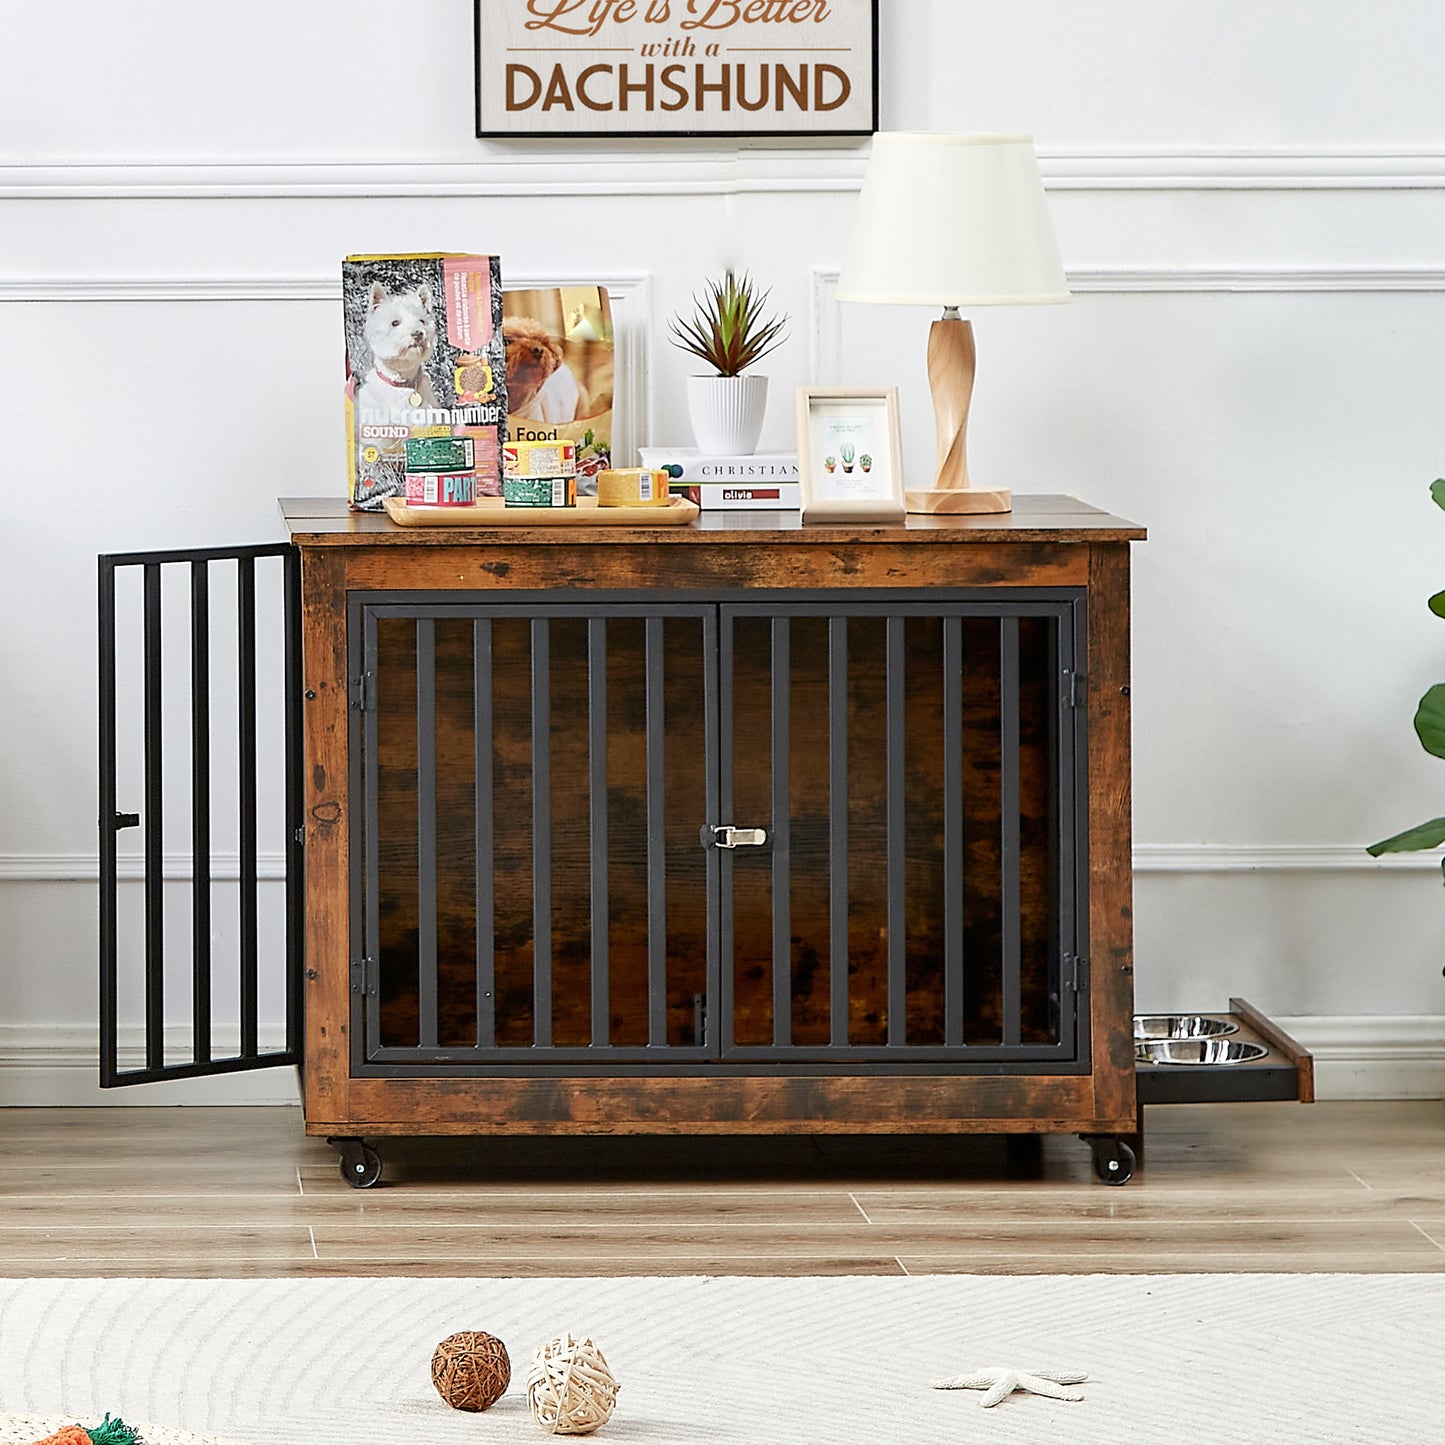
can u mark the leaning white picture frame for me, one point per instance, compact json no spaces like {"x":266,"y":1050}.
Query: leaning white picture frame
{"x":850,"y":460}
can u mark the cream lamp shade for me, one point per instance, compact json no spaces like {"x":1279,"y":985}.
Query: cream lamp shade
{"x":952,"y":221}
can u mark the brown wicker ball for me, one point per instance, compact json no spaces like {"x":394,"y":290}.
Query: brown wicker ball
{"x":470,"y":1370}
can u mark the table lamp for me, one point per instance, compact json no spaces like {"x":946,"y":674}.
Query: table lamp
{"x":953,"y":221}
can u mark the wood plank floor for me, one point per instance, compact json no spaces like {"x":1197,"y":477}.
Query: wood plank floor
{"x":1347,"y":1187}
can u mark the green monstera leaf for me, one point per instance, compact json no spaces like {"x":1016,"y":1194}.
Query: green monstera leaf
{"x":1430,"y":722}
{"x":1430,"y":729}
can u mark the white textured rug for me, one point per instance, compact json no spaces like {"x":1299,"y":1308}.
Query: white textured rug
{"x":1263,"y":1358}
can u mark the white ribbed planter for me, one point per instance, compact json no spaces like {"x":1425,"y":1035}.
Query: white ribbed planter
{"x":727,"y":413}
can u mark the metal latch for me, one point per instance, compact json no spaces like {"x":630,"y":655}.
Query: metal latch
{"x":739,"y":837}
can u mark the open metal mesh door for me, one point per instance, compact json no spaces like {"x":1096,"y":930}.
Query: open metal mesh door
{"x":200,"y":925}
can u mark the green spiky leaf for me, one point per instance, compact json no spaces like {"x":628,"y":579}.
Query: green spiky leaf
{"x":1437,"y":490}
{"x":730,"y":329}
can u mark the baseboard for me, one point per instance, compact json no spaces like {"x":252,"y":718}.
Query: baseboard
{"x":53,"y":1067}
{"x":1366,"y":1057}
{"x":1396,"y":1056}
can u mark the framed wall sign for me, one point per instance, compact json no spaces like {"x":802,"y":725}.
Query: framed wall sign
{"x":850,"y":461}
{"x":550,"y":68}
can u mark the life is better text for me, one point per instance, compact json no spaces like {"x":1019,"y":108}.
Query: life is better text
{"x":589,"y":17}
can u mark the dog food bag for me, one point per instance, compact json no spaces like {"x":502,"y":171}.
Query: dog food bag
{"x":560,"y":353}
{"x":425,"y":363}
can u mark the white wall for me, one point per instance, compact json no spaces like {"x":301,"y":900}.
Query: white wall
{"x":1251,"y":206}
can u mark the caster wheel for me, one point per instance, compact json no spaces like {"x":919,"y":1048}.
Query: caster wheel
{"x":360,"y":1164}
{"x":1113,"y":1160}
{"x":362,"y":1173}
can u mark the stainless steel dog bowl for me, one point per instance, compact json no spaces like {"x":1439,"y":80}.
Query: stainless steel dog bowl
{"x":1199,"y":1051}
{"x":1180,"y":1026}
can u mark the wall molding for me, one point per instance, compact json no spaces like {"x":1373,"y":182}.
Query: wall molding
{"x":1275,"y":858}
{"x":630,"y":295}
{"x":45,"y":1066}
{"x":825,"y":336}
{"x":633,"y":293}
{"x":1148,"y":858}
{"x":1159,"y":280}
{"x":681,"y":169}
{"x":130,"y":867}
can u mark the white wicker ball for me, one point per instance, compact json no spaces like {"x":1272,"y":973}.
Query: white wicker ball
{"x":570,"y":1390}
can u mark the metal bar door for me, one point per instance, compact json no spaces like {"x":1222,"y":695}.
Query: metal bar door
{"x":531,"y":887}
{"x":200,"y":962}
{"x":909,"y":775}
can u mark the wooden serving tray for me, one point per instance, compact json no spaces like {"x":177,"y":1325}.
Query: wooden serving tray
{"x":493,"y":512}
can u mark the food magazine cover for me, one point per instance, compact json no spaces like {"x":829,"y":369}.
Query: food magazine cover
{"x":559,"y":350}
{"x":424,"y":358}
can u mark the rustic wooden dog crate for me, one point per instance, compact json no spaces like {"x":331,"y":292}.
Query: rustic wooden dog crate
{"x":739,"y":827}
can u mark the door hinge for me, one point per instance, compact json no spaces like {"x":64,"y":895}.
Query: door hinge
{"x":363,"y":692}
{"x":363,"y":976}
{"x":1076,"y":973}
{"x":298,"y":835}
{"x":699,"y":1020}
{"x":1074,"y":687}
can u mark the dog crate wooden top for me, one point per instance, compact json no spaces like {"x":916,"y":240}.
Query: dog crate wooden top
{"x":328,"y":522}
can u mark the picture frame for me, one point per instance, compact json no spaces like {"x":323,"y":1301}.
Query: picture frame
{"x":549,"y":69}
{"x":850,"y":455}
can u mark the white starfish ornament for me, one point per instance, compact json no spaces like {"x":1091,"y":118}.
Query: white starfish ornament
{"x":998,"y":1383}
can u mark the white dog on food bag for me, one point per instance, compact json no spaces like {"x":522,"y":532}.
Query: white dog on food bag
{"x":401,"y":330}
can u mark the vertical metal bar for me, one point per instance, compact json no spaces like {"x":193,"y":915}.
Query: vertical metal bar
{"x":711,"y":787}
{"x":200,"y":813}
{"x":721,"y":858}
{"x":426,"y":832}
{"x":366,"y":723}
{"x":653,"y":669}
{"x":541,"y":832}
{"x":781,"y":700}
{"x":1073,"y":823}
{"x":154,"y":828}
{"x":894,"y":706}
{"x":953,"y":825}
{"x":1058,"y":669}
{"x":1009,"y":839}
{"x":838,"y":949}
{"x":109,"y":931}
{"x":485,"y":827}
{"x":246,"y":737}
{"x":295,"y":786}
{"x":597,"y":828}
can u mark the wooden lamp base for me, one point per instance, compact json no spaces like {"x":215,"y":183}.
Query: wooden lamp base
{"x":951,"y":366}
{"x":959,"y":499}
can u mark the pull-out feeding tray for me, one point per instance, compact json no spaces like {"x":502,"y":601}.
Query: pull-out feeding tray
{"x":1231,"y":1057}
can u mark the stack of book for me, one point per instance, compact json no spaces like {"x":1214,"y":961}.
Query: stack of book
{"x":766,"y":481}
